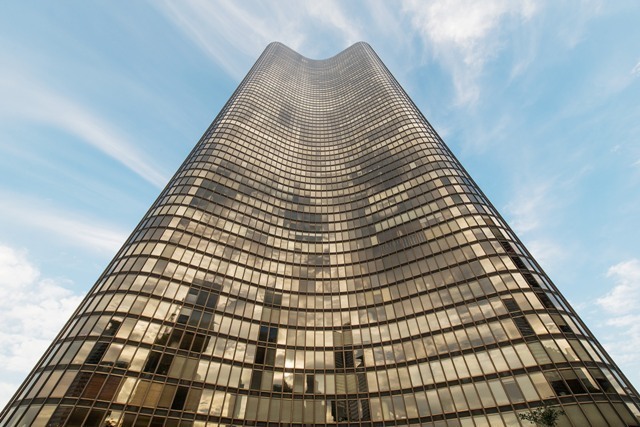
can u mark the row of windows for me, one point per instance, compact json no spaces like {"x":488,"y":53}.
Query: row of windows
{"x":396,"y":302}
{"x":398,"y":151}
{"x":473,"y":246}
{"x":290,"y":122}
{"x":340,"y":293}
{"x":430,"y":217}
{"x":396,"y":316}
{"x":460,"y":313}
{"x":471,"y":249}
{"x":237,"y":340}
{"x":242,"y":232}
{"x":295,"y":367}
{"x":303,"y":131}
{"x":429,"y":203}
{"x":289,"y":278}
{"x":325,"y":122}
{"x":318,"y":94}
{"x":595,"y":414}
{"x":295,"y":199}
{"x":420,"y":191}
{"x":457,"y":399}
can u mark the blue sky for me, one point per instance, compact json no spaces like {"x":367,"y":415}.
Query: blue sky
{"x":101,"y":102}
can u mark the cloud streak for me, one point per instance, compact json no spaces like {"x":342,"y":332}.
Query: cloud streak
{"x":35,"y":102}
{"x":232,"y":34}
{"x":86,"y":232}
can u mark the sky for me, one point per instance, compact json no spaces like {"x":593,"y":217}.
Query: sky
{"x":100,"y":102}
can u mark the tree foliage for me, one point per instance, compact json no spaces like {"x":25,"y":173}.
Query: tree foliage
{"x":546,"y":416}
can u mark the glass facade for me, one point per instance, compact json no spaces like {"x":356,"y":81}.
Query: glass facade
{"x":321,"y":258}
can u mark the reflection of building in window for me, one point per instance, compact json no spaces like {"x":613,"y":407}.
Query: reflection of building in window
{"x":351,"y":402}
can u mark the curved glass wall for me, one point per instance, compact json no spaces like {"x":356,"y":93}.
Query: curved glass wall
{"x":321,"y":258}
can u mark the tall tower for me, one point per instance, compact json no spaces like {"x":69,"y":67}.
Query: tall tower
{"x":321,"y":258}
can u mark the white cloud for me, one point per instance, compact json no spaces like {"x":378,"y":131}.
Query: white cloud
{"x":33,"y":309}
{"x":625,"y":296}
{"x":73,"y":227}
{"x":622,"y":342}
{"x":33,"y":101}
{"x":464,"y":34}
{"x":621,"y":320}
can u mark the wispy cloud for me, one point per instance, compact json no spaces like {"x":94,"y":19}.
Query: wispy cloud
{"x":547,"y":252}
{"x":33,"y":101}
{"x":233,"y":33}
{"x":33,"y":311}
{"x":386,"y":20}
{"x":464,"y":34}
{"x":529,"y":207}
{"x":574,"y":31}
{"x":331,"y":13}
{"x":74,"y":227}
{"x":222,"y":30}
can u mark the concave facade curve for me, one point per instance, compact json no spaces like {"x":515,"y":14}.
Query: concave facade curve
{"x":321,"y":258}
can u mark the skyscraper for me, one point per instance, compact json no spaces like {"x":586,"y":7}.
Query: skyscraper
{"x":321,"y":258}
